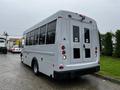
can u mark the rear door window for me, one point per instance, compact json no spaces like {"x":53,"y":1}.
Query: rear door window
{"x":87,"y":53}
{"x":86,"y":35}
{"x":76,"y":34}
{"x":76,"y":53}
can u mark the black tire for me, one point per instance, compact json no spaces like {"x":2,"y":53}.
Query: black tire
{"x":21,"y":58}
{"x":35,"y":67}
{"x":5,"y":51}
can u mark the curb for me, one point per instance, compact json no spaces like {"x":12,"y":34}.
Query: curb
{"x":108,"y":78}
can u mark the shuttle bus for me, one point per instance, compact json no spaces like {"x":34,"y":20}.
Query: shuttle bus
{"x":65,"y":44}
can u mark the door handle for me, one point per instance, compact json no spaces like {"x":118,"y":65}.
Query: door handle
{"x":84,"y":46}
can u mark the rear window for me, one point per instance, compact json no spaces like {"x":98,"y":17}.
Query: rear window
{"x":76,"y":53}
{"x":87,"y":35}
{"x":87,"y":53}
{"x":76,"y":34}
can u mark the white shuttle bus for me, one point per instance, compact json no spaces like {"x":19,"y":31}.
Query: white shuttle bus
{"x":65,"y":44}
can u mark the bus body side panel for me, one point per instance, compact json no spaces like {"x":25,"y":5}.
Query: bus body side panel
{"x":46,"y":55}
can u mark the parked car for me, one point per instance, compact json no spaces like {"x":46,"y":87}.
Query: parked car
{"x":15,"y":49}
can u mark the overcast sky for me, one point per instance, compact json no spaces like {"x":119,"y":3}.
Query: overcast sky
{"x":18,"y":15}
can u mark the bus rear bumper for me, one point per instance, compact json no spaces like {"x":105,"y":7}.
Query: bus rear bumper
{"x":75,"y":73}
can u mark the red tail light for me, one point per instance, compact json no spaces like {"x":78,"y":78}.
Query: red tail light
{"x":62,"y":47}
{"x":61,"y":67}
{"x":95,"y":49}
{"x":63,"y":52}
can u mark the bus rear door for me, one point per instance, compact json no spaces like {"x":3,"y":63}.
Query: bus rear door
{"x":80,"y":42}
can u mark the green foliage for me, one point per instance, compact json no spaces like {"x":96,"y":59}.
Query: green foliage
{"x":117,"y":46}
{"x":110,"y":66}
{"x":108,"y":45}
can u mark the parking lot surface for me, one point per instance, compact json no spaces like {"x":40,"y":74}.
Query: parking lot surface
{"x":16,"y":76}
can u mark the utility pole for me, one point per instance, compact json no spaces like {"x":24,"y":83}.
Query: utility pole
{"x":5,"y":34}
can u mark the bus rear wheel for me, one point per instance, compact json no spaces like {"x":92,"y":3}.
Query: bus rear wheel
{"x":35,"y":68}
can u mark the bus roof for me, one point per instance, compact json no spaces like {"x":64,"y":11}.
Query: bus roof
{"x":60,"y":14}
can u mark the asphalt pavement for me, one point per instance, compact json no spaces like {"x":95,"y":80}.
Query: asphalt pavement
{"x":16,"y":76}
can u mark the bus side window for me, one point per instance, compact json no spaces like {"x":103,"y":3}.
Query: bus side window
{"x":27,"y":40}
{"x":51,"y":29}
{"x":42,"y":34}
{"x":36,"y":32}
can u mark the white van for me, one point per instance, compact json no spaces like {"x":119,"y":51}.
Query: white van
{"x":3,"y":47}
{"x":65,"y":44}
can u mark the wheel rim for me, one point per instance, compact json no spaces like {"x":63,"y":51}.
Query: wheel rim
{"x":35,"y":68}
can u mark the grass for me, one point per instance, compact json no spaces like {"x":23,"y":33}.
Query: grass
{"x":110,"y":67}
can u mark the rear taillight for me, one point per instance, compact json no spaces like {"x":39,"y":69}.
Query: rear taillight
{"x":64,"y":57}
{"x":61,"y":67}
{"x":63,"y":52}
{"x":62,"y":47}
{"x":96,"y":51}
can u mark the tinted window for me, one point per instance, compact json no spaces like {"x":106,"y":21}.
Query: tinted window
{"x":87,"y":53}
{"x":87,"y":35}
{"x":32,"y":38}
{"x":76,"y":53}
{"x":27,"y":39}
{"x":51,"y":29}
{"x":76,"y":34}
{"x":36,"y":34}
{"x":42,"y":34}
{"x":1,"y":41}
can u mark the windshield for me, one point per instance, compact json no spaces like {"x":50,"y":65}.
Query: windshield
{"x":2,"y":40}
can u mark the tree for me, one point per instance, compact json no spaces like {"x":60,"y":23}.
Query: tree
{"x":102,"y":40}
{"x":117,"y":45}
{"x":108,"y":45}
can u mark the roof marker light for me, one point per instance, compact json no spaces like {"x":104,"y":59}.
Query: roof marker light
{"x":69,"y":16}
{"x":60,"y":17}
{"x":61,"y":67}
{"x":83,"y":17}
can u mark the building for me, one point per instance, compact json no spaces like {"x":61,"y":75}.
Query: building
{"x":14,"y":40}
